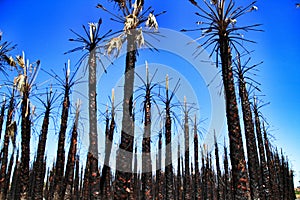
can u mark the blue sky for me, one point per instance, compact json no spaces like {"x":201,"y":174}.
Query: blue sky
{"x":41,"y":29}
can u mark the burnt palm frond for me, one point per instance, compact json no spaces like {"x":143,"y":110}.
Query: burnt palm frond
{"x":220,"y":21}
{"x":5,"y":48}
{"x":132,"y":17}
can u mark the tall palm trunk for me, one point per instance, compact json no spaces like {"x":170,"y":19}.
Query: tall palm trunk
{"x":2,"y":116}
{"x":76,"y":180}
{"x":227,"y":181}
{"x":127,"y":134}
{"x":168,"y":157}
{"x":186,"y":178}
{"x":39,"y":178}
{"x":4,"y":151}
{"x":196,"y":161}
{"x":178,"y":180}
{"x":60,"y":156}
{"x":263,"y":164}
{"x":8,"y":175}
{"x":67,"y":190}
{"x":93,"y":135}
{"x":146,"y":160}
{"x":237,"y":155}
{"x":159,"y":179}
{"x":25,"y":143}
{"x":218,"y":195}
{"x":109,"y":134}
{"x":252,"y":155}
{"x":270,"y":173}
{"x":15,"y":187}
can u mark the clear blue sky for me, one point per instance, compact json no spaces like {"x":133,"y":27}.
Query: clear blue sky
{"x":41,"y":28}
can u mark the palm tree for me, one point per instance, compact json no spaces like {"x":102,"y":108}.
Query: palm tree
{"x":253,"y":162}
{"x":24,"y":82}
{"x":223,"y":34}
{"x":38,"y":167}
{"x":132,"y":17}
{"x":91,"y":45}
{"x":5,"y":48}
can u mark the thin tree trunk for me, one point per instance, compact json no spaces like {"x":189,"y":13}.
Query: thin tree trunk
{"x":168,"y":157}
{"x":253,"y":163}
{"x":15,"y":187}
{"x":186,"y":178}
{"x":218,"y":195}
{"x":94,"y":176}
{"x":60,"y":156}
{"x":124,"y":160}
{"x":4,"y":152}
{"x":25,"y":143}
{"x":196,"y":159}
{"x":67,"y":190}
{"x":237,"y":155}
{"x":2,"y":116}
{"x":146,"y":143}
{"x":39,"y":173}
{"x":263,"y":164}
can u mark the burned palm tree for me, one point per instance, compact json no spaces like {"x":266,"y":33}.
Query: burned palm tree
{"x":67,"y":188}
{"x":39,"y":162}
{"x":109,"y":134}
{"x":11,"y":129}
{"x":24,"y":82}
{"x":253,"y":162}
{"x":132,"y":17}
{"x":262,"y":155}
{"x":196,"y":161}
{"x":91,"y":44}
{"x":222,"y":33}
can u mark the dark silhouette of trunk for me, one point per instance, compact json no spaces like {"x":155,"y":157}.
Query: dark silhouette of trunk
{"x":204,"y":177}
{"x":227,"y":181}
{"x":2,"y":116}
{"x":168,"y":155}
{"x":196,"y":159}
{"x":146,"y":143}
{"x":46,"y":189}
{"x":10,"y":127}
{"x":159,"y":179}
{"x":81,"y":183}
{"x":85,"y":188}
{"x":253,"y":163}
{"x":94,"y":176}
{"x":60,"y":156}
{"x":76,"y":195}
{"x":8,"y":175}
{"x":15,"y":187}
{"x":269,"y":175}
{"x":263,"y":169}
{"x":67,"y":190}
{"x":178,"y":178}
{"x":25,"y":143}
{"x":106,"y":171}
{"x":218,"y":191}
{"x":186,"y":177}
{"x":38,"y":167}
{"x":237,"y":155}
{"x":123,"y":189}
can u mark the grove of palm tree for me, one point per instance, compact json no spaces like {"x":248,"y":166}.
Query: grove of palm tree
{"x":146,"y":138}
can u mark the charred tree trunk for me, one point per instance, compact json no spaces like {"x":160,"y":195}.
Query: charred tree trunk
{"x":10,"y":129}
{"x":60,"y":156}
{"x":263,"y":164}
{"x":186,"y":177}
{"x":196,"y":157}
{"x":123,"y":188}
{"x":67,"y":190}
{"x":253,"y":163}
{"x":2,"y":116}
{"x":94,"y":176}
{"x":237,"y":155}
{"x":39,"y":173}
{"x":218,"y":195}
{"x":168,"y":157}
{"x":25,"y":143}
{"x":146,"y":143}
